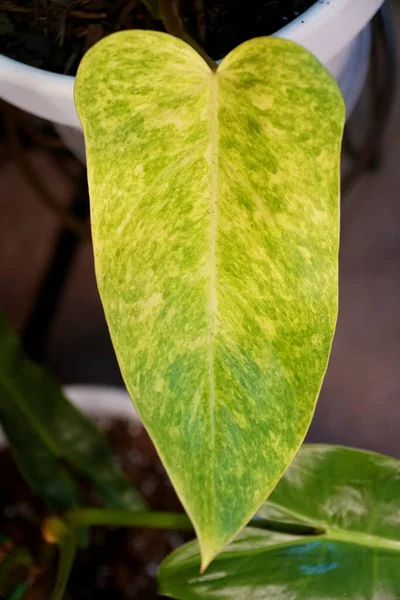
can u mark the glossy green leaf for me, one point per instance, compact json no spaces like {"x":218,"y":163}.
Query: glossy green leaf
{"x":353,"y":496}
{"x":214,"y":202}
{"x":341,"y":488}
{"x":44,"y":428}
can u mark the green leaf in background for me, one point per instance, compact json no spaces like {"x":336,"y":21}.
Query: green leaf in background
{"x":214,"y":202}
{"x":353,"y":496}
{"x":44,"y":428}
{"x":153,"y":8}
{"x":19,"y":591}
{"x":13,"y":564}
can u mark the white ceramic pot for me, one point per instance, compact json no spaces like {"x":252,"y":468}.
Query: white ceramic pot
{"x":98,"y":401}
{"x":102,"y":401}
{"x":336,"y":31}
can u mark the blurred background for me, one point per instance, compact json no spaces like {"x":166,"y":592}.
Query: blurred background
{"x":48,"y":289}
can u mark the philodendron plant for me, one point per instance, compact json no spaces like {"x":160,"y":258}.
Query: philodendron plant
{"x":330,"y":529}
{"x":215,"y":216}
{"x":215,"y":219}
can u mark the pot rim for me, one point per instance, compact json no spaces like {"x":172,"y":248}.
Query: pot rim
{"x":299,"y":30}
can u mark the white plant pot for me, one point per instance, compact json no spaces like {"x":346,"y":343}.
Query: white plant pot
{"x":98,"y":401}
{"x":336,"y":31}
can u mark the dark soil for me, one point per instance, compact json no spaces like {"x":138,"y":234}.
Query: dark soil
{"x":55,"y":34}
{"x":120,"y":563}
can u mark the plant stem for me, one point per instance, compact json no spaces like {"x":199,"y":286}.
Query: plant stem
{"x":287,"y":528}
{"x":68,"y":547}
{"x":162,"y":520}
{"x":173,"y":25}
{"x":115,"y":516}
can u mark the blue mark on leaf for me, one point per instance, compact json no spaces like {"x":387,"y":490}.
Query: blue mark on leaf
{"x":303,"y":548}
{"x":331,"y":547}
{"x":318,"y":569}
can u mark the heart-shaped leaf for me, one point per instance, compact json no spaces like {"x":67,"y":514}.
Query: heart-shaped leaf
{"x":214,"y":199}
{"x":353,"y":496}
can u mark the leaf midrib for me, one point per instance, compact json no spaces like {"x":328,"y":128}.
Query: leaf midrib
{"x":344,"y":535}
{"x":212,"y":294}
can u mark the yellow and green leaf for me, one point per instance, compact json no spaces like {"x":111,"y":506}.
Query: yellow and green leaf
{"x":215,"y":217}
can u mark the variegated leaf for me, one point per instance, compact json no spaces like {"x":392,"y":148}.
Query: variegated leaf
{"x":214,"y":199}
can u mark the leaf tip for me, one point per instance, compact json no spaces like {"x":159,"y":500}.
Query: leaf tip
{"x":205,"y":562}
{"x":208,"y":551}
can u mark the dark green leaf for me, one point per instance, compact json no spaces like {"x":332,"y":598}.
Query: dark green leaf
{"x":153,"y":8}
{"x":352,"y":495}
{"x":43,"y":428}
{"x":16,"y":557}
{"x":33,"y":450}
